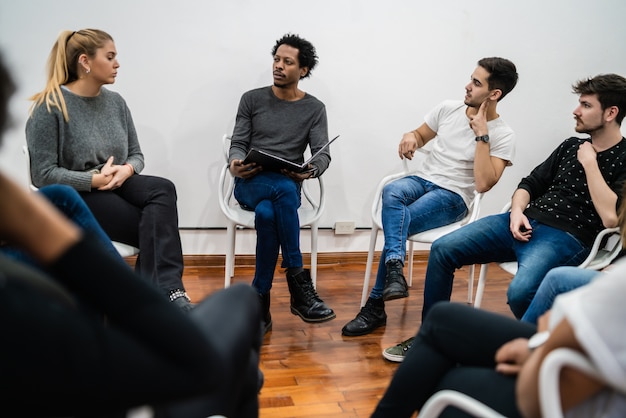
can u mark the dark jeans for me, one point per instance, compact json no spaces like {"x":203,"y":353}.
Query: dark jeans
{"x":143,"y":213}
{"x":275,"y":200}
{"x":455,"y":349}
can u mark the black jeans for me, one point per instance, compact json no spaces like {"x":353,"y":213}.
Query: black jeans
{"x":143,"y":213}
{"x":455,"y":349}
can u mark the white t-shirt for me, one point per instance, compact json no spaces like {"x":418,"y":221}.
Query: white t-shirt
{"x":597,"y":313}
{"x":450,"y":163}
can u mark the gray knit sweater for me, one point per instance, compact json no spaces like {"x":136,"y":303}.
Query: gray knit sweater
{"x":65,"y":152}
{"x":281,"y":127}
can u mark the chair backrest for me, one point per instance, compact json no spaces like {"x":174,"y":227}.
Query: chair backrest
{"x":549,"y":388}
{"x":29,"y":178}
{"x":472,"y":212}
{"x":549,"y":378}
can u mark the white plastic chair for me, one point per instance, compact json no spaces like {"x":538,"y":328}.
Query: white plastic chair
{"x":549,"y":388}
{"x":424,"y":237}
{"x":435,"y":405}
{"x":605,"y":248}
{"x":309,"y":213}
{"x":124,"y":250}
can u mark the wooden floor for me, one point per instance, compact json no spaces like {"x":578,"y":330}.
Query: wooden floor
{"x":311,"y":370}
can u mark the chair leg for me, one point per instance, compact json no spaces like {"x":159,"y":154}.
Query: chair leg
{"x":314,"y":255}
{"x":410,"y":261}
{"x":368,"y":265}
{"x":229,"y":267}
{"x":481,"y":285}
{"x":470,"y":285}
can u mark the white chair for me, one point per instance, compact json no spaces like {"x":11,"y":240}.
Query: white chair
{"x":605,"y":248}
{"x":549,"y":388}
{"x":309,"y":214}
{"x":124,"y":250}
{"x":424,"y":237}
{"x":435,"y":405}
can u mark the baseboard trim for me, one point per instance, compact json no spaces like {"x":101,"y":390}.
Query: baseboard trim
{"x":217,"y":260}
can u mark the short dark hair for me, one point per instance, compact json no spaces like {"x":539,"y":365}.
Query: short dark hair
{"x":610,"y":89}
{"x":307,"y":56}
{"x":502,"y":74}
{"x":7,"y":88}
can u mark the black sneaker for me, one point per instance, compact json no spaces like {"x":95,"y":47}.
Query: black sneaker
{"x":395,"y":284}
{"x":371,"y":316}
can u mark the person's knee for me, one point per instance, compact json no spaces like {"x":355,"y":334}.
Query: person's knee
{"x":264,"y":214}
{"x":441,"y":247}
{"x":518,"y":299}
{"x":165,"y":186}
{"x":391,"y":192}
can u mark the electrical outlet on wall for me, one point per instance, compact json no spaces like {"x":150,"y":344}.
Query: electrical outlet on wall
{"x":344,"y":227}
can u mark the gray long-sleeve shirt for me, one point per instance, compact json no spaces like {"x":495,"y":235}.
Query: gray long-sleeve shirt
{"x":65,"y":152}
{"x":283,"y":128}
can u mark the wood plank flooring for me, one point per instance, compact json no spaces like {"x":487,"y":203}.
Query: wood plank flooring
{"x":311,"y":370}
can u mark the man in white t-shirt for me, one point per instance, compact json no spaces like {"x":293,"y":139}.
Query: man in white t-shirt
{"x":471,"y":147}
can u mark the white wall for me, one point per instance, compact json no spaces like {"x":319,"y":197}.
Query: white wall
{"x":383,"y":65}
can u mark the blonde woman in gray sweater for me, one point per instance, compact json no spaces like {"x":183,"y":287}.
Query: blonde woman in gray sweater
{"x":82,"y":134}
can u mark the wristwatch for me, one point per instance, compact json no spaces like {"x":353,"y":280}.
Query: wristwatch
{"x":538,"y":340}
{"x":484,"y":138}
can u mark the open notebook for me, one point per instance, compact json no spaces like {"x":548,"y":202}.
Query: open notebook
{"x":272,"y":162}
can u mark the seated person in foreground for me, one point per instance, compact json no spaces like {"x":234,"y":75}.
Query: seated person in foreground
{"x":471,"y":146}
{"x":283,"y":120}
{"x":487,"y":356}
{"x":556,"y":211}
{"x":59,"y":358}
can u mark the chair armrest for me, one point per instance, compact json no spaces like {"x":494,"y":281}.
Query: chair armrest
{"x":444,"y":398}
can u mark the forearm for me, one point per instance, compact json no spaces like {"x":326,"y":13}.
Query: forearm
{"x":487,"y":169}
{"x":31,"y":223}
{"x":603,"y":197}
{"x":520,"y":200}
{"x":575,"y":387}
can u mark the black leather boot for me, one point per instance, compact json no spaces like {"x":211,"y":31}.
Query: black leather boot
{"x":266,"y":316}
{"x":372,"y":316}
{"x":395,"y":284}
{"x":305,"y":301}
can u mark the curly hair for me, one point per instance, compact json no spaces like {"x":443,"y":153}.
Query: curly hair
{"x":307,"y":56}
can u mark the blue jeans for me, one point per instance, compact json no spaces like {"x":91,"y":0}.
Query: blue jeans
{"x":558,"y":280}
{"x":275,"y":200}
{"x":490,"y":240}
{"x":411,"y":205}
{"x":68,"y":201}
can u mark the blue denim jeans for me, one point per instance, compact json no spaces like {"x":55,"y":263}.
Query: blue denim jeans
{"x":275,"y":200}
{"x":68,"y":201}
{"x":490,"y":240}
{"x":411,"y":205}
{"x":558,"y":280}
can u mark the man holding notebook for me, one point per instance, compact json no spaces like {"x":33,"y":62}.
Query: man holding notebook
{"x":471,"y":146}
{"x":281,"y":120}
